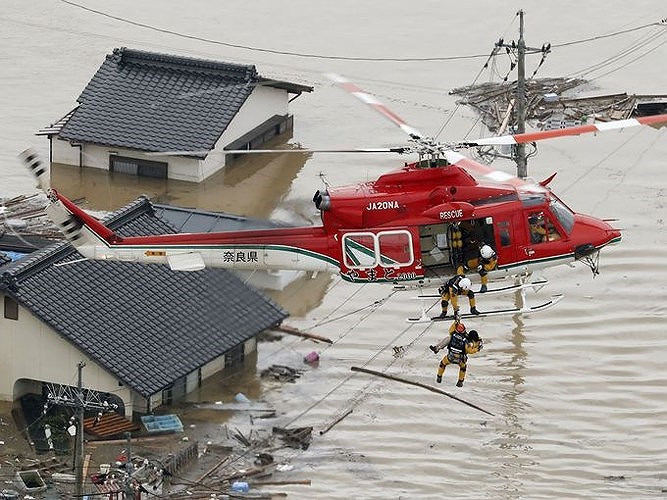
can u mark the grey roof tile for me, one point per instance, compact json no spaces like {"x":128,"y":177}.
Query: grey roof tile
{"x":146,"y":324}
{"x":158,"y":102}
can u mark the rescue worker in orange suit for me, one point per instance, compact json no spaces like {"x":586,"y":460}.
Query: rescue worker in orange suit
{"x":483,"y":261}
{"x":459,"y":345}
{"x":458,"y":285}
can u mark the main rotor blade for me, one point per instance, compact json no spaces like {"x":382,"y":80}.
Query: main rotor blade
{"x":656,"y":121}
{"x":375,"y":103}
{"x":399,"y":150}
{"x":478,"y":170}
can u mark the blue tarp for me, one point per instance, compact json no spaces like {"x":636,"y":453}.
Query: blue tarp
{"x":162,"y":423}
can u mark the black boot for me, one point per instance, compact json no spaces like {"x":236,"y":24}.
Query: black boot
{"x":473,"y":310}
{"x":459,"y":383}
{"x":434,"y":349}
{"x":438,"y":379}
{"x":483,"y":289}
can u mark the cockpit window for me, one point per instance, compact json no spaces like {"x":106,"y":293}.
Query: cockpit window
{"x":563,"y":214}
{"x":532,"y":199}
{"x":541,"y":228}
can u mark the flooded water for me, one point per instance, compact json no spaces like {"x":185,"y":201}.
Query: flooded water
{"x":577,"y":393}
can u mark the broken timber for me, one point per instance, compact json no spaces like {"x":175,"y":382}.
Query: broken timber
{"x":419,"y":384}
{"x":299,"y":333}
{"x":330,"y":426}
{"x":295,"y":438}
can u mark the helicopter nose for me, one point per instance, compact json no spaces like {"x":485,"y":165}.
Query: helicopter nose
{"x":614,"y":236}
{"x":597,"y":232}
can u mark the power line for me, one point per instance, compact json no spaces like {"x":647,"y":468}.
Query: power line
{"x":662,"y":22}
{"x":271,"y":51}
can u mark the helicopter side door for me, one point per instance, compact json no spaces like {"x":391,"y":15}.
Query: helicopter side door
{"x":383,"y":255}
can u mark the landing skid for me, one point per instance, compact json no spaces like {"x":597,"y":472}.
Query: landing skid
{"x":537,"y":285}
{"x":498,"y":312}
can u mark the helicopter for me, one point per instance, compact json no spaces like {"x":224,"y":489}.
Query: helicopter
{"x":413,"y":225}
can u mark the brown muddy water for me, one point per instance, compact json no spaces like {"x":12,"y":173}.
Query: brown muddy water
{"x":578,"y":393}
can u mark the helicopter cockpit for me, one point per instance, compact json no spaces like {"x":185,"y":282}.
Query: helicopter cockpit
{"x":547,"y":224}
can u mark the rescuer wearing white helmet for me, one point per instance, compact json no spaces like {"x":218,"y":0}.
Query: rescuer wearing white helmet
{"x":488,"y":260}
{"x":484,"y":261}
{"x":458,"y":285}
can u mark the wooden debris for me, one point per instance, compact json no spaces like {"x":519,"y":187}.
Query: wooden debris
{"x":282,"y":373}
{"x":238,"y":435}
{"x":328,"y":427}
{"x":419,"y":384}
{"x":262,"y":483}
{"x":295,"y":438}
{"x":180,"y":459}
{"x":299,"y":333}
{"x":549,"y":106}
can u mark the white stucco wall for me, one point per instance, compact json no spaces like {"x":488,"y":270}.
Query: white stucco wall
{"x":32,"y":350}
{"x":179,"y":168}
{"x":262,"y":104}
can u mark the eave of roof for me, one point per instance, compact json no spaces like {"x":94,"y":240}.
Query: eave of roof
{"x":146,"y":324}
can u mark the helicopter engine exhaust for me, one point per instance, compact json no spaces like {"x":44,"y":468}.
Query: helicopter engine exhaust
{"x":322,"y":200}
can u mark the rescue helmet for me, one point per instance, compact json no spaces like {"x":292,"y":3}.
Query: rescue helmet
{"x":487,"y":252}
{"x":465,"y":284}
{"x":473,"y":335}
{"x":532,"y":219}
{"x":460,"y":327}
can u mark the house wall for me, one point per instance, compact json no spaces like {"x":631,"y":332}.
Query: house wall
{"x":98,"y":157}
{"x":212,"y":367}
{"x":32,"y":351}
{"x":262,"y":104}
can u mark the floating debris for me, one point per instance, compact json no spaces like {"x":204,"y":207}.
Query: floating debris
{"x":298,"y":437}
{"x":548,"y":105}
{"x":282,"y":373}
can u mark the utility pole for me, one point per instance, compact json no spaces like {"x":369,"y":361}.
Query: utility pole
{"x":521,"y":160}
{"x":62,"y":395}
{"x":520,"y":149}
{"x":129,"y":467}
{"x":78,"y":456}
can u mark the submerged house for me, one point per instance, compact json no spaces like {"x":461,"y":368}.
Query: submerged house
{"x":141,"y":104}
{"x":148,"y":335}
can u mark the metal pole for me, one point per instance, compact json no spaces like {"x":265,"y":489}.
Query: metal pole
{"x":129,"y":467}
{"x":78,"y":456}
{"x":521,"y":161}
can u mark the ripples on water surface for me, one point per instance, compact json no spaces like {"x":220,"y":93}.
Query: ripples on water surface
{"x":577,"y":392}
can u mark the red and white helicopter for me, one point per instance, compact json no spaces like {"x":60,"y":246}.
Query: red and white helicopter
{"x":402,"y":228}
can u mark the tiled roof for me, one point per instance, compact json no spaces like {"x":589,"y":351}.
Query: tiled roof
{"x":146,"y":324}
{"x":190,"y":220}
{"x":4,"y":259}
{"x":158,"y":102}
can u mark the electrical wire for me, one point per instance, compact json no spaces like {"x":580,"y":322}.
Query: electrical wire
{"x":269,"y":51}
{"x":338,"y":57}
{"x":626,"y":52}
